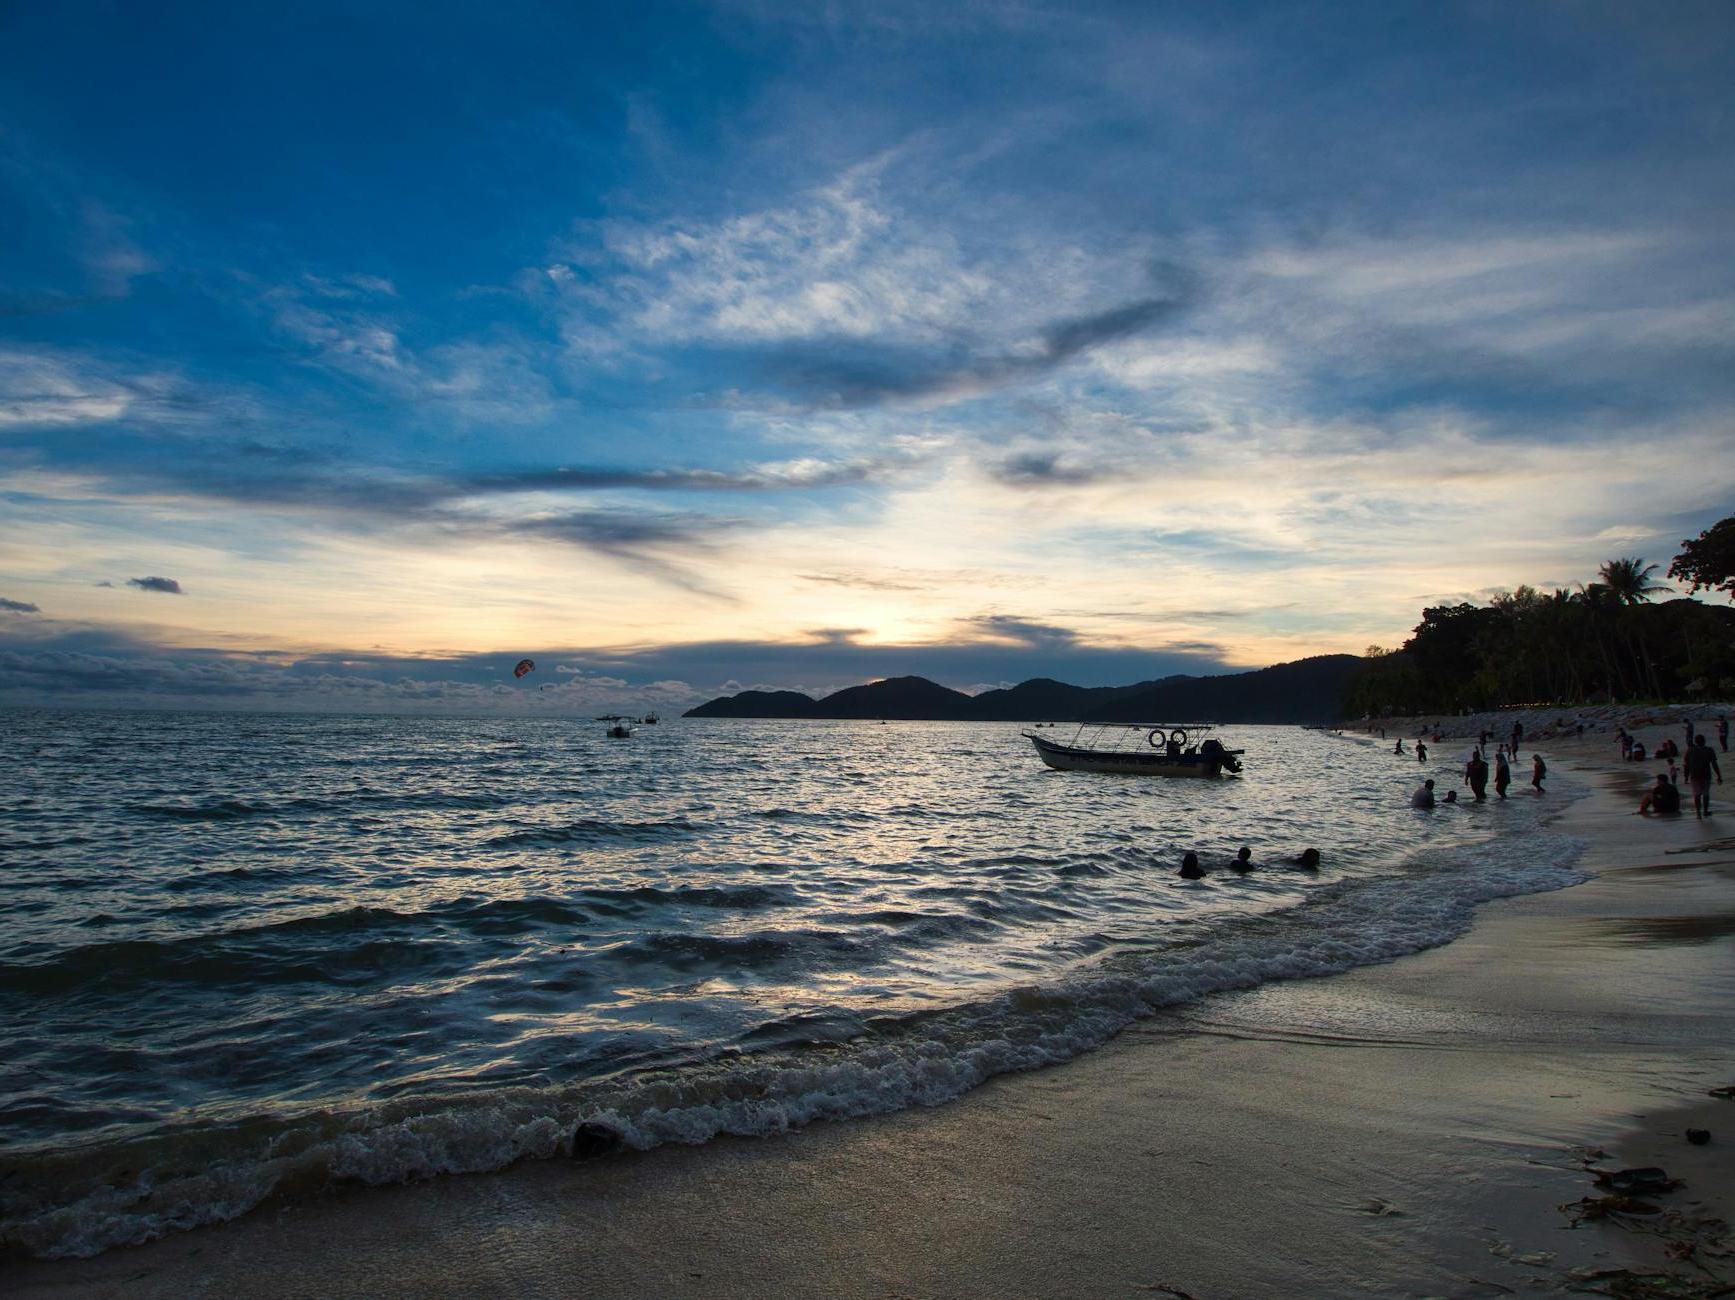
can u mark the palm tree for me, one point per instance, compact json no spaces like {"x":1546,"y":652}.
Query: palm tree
{"x":1628,"y":580}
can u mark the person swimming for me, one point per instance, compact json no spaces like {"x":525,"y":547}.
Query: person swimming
{"x":1308,"y":860}
{"x":1190,"y":868}
{"x":1243,"y":861}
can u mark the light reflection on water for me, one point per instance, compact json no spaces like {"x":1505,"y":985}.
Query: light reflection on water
{"x":216,"y":913}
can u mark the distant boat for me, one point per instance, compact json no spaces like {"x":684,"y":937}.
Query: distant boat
{"x":1187,"y":750}
{"x":619,"y":731}
{"x":650,"y":719}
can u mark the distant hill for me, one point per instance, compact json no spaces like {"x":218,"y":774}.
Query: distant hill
{"x":1043,"y":699}
{"x":1308,"y":690}
{"x":757,"y":704}
{"x":898,"y":697}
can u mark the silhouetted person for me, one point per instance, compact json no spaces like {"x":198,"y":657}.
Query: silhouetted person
{"x":1421,"y":752}
{"x":1723,"y":733}
{"x":1476,"y":776}
{"x":1664,"y":797}
{"x":1451,"y":796}
{"x":1309,"y":860}
{"x":1700,"y":763}
{"x":1538,"y":770}
{"x":1424,"y":795}
{"x":1190,"y":868}
{"x":1399,"y":747}
{"x":1243,"y":861}
{"x":1502,"y":775}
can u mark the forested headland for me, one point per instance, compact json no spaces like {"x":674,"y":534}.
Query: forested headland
{"x":1604,"y":640}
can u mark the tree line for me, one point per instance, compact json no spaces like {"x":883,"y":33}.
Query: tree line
{"x":1604,"y":640}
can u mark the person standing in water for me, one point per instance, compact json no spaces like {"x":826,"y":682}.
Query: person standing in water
{"x":1243,"y":861}
{"x":1502,"y":775}
{"x":1190,"y":868}
{"x":1476,"y":776}
{"x":1421,"y":752}
{"x":1424,"y":795}
{"x":1700,"y":763}
{"x":1723,"y":732}
{"x":1538,"y":770}
{"x":1517,"y":735}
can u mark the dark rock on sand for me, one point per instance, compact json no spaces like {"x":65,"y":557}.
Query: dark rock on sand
{"x":592,"y":1140}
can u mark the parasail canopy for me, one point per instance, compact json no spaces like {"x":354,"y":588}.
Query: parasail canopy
{"x":524,"y":666}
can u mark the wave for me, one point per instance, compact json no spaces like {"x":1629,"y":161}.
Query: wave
{"x":61,"y":1205}
{"x":353,"y":942}
{"x":589,"y":830}
{"x":215,"y":810}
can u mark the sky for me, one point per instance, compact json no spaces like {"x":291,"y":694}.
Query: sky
{"x":351,"y":352}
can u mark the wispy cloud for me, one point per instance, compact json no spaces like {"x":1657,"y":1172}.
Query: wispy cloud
{"x":18,"y":606}
{"x":166,"y":586}
{"x":43,"y":388}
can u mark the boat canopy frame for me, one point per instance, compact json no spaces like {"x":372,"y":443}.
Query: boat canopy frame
{"x":1096,"y":736}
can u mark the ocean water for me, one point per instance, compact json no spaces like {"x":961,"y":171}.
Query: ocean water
{"x":244,"y":956}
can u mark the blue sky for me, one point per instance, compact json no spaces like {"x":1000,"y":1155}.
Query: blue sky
{"x":692,"y":346}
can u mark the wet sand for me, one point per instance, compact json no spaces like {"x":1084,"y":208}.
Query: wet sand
{"x":1407,"y":1129}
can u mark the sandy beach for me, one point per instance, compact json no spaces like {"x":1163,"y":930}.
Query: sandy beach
{"x":1405,"y":1129}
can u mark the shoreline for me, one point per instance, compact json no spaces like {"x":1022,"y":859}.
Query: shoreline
{"x":1405,"y":1128}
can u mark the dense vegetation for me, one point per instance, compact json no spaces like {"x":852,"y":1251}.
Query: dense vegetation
{"x":1603,"y":641}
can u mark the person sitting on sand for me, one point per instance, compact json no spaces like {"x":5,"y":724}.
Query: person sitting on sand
{"x":1538,"y":770}
{"x":1243,"y":861}
{"x":1190,"y":868}
{"x":1662,"y":798}
{"x":1308,"y":860}
{"x":1424,"y":795}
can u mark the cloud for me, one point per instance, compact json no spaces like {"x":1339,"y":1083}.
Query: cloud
{"x":840,"y":375}
{"x":798,"y":475}
{"x":18,"y":606}
{"x":168,"y":586}
{"x":1043,"y":469}
{"x":111,"y":258}
{"x":844,"y":299}
{"x":46,"y":389}
{"x":68,"y":663}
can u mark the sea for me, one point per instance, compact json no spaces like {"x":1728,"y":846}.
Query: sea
{"x":248,"y":957}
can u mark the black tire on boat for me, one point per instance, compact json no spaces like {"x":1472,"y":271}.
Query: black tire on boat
{"x":1157,"y":738}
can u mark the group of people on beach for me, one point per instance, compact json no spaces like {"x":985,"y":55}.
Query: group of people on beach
{"x":1476,"y":772}
{"x":1698,"y":763}
{"x":1306,"y":860}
